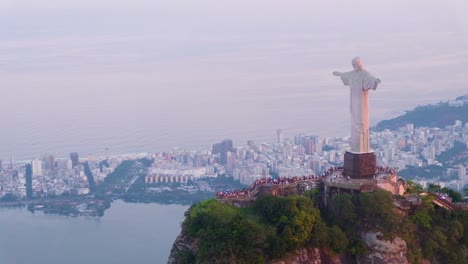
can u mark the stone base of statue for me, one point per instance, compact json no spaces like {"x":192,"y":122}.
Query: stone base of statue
{"x":359,"y":165}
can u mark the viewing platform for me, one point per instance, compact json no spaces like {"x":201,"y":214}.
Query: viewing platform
{"x":268,"y":186}
{"x":334,"y":181}
{"x":384,"y":178}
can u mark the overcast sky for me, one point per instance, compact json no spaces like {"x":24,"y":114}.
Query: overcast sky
{"x":94,"y":63}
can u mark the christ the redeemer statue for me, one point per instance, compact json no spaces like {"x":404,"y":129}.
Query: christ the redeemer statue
{"x":360,"y":82}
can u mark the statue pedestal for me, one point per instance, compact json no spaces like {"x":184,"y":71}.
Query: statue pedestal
{"x":359,"y":165}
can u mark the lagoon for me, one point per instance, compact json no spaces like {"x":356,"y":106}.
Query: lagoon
{"x":127,"y":233}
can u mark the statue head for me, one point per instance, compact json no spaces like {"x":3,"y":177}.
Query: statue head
{"x":357,"y":64}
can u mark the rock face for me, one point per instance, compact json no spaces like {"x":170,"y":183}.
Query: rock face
{"x":310,"y":256}
{"x":383,"y":251}
{"x":182,"y":244}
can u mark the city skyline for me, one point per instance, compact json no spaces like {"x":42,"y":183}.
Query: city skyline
{"x":304,"y":155}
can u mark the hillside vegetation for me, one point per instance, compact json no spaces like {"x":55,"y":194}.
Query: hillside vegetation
{"x":274,"y":226}
{"x":439,"y":115}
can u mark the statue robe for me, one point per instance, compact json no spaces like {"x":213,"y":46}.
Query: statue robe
{"x":360,"y":82}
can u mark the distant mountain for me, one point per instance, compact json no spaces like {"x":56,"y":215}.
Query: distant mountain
{"x":462,"y":98}
{"x":436,"y":115}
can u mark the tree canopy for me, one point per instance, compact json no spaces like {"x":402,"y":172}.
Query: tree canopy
{"x":273,"y":226}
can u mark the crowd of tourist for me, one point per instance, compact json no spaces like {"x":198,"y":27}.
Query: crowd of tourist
{"x":264,"y":181}
{"x":281,"y":180}
{"x":335,"y":172}
{"x":332,"y":170}
{"x":386,"y":170}
{"x":232,"y":194}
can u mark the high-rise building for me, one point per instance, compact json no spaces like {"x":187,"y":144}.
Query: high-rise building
{"x":198,"y":161}
{"x":316,"y":139}
{"x":332,"y":156}
{"x":317,"y":142}
{"x":75,"y":158}
{"x":49,"y":161}
{"x":241,"y":154}
{"x":401,"y":143}
{"x":222,"y":149}
{"x":63,"y":164}
{"x":29,"y":174}
{"x":228,"y":144}
{"x":409,"y":127}
{"x":297,"y":139}
{"x":315,"y":165}
{"x":231,"y":162}
{"x":389,"y":153}
{"x":274,"y":165}
{"x":310,"y":147}
{"x":279,"y":136}
{"x":461,"y":172}
{"x":36,"y":167}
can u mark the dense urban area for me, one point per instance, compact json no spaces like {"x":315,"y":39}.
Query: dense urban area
{"x":87,"y":185}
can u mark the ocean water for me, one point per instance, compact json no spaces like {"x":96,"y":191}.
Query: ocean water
{"x":127,"y":233}
{"x":242,"y":115}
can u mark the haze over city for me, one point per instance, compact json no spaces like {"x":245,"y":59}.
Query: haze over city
{"x":130,"y":128}
{"x":149,"y":75}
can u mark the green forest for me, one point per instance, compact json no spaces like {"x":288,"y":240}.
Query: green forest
{"x":274,"y":226}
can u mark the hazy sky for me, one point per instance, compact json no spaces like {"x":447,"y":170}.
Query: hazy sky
{"x":75,"y":70}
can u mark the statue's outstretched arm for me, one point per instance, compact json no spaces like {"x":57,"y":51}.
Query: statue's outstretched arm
{"x":337,"y":73}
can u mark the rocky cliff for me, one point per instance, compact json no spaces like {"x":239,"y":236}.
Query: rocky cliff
{"x":383,"y":251}
{"x":183,"y":247}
